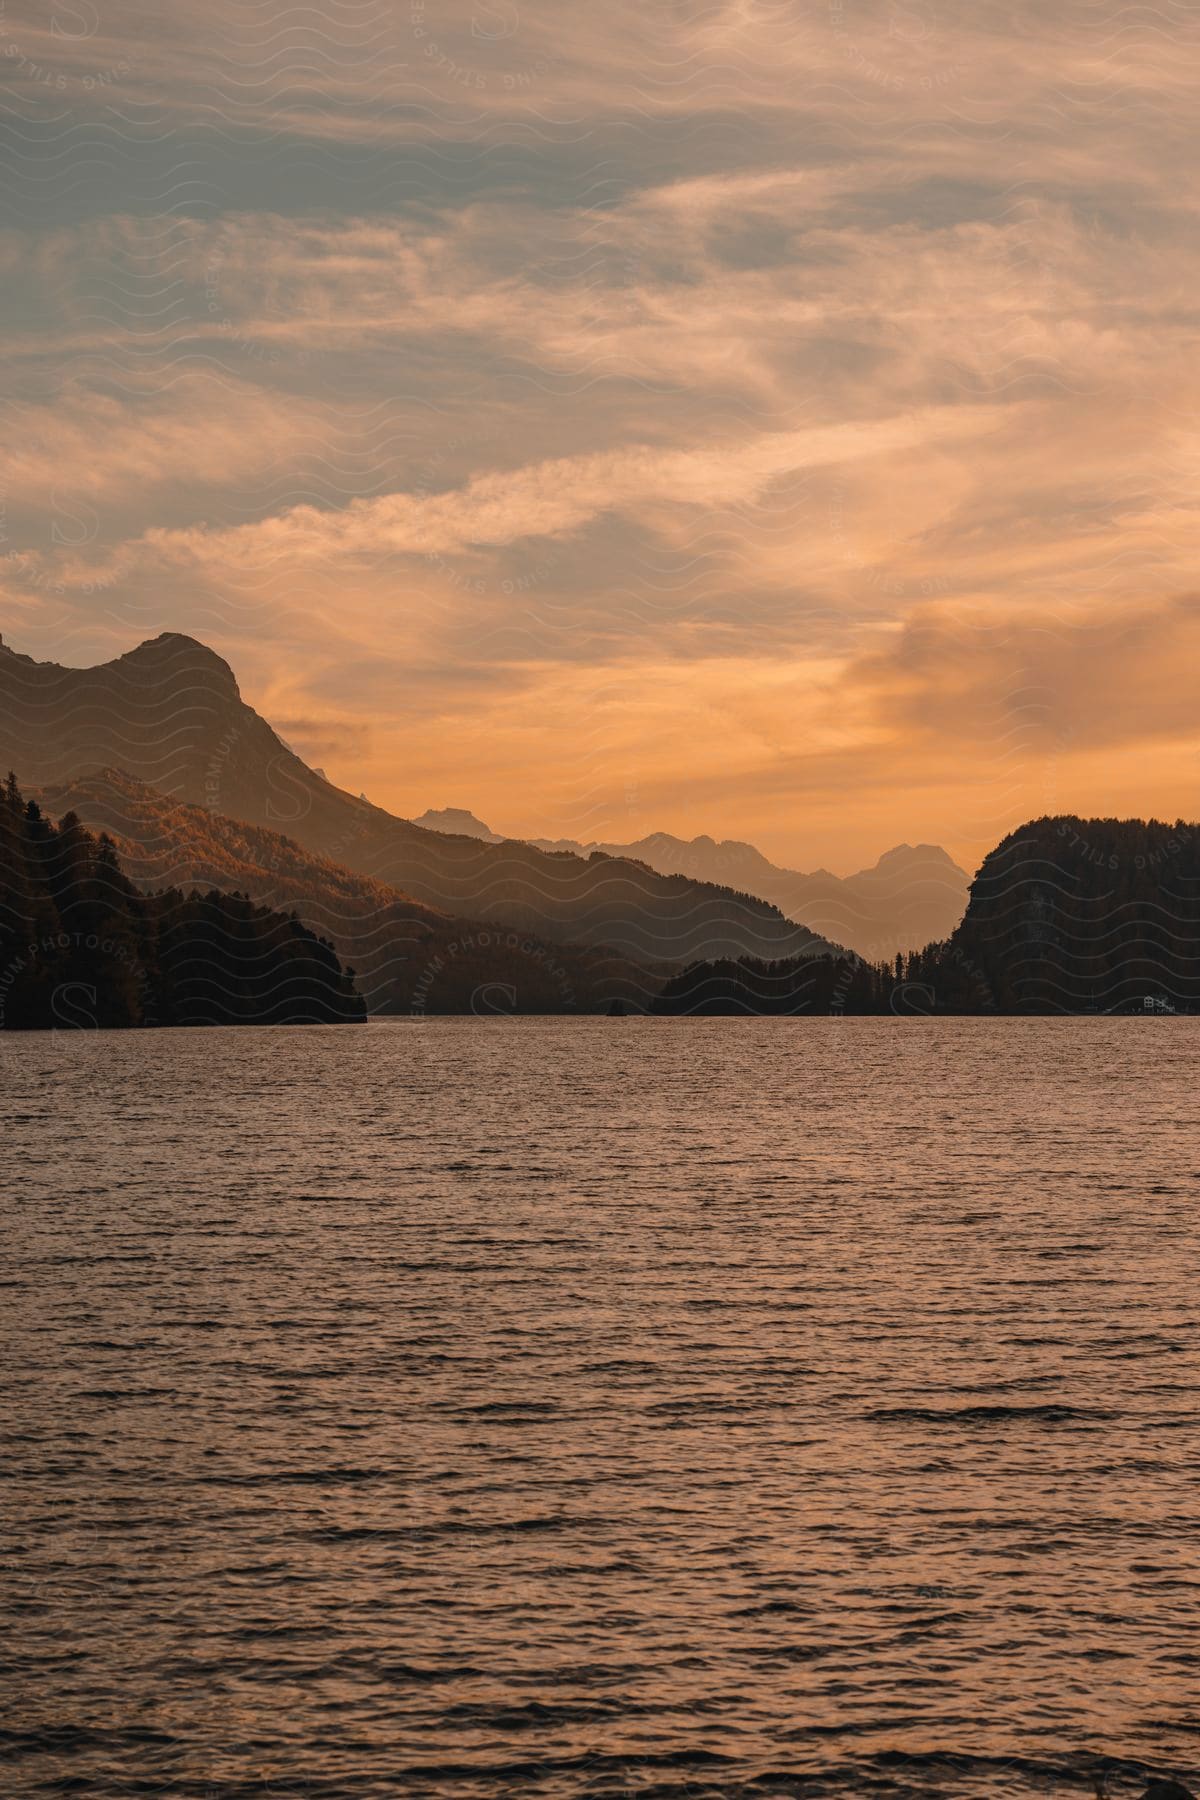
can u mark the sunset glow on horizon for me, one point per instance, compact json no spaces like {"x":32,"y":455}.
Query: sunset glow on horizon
{"x":766,"y":421}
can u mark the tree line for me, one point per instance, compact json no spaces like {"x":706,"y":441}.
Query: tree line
{"x":80,"y":945}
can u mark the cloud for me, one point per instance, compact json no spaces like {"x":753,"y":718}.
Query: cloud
{"x":1087,"y":678}
{"x":542,"y":500}
{"x":469,"y":362}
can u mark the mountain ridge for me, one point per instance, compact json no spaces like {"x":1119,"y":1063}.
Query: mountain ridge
{"x":169,"y":713}
{"x":911,"y":896}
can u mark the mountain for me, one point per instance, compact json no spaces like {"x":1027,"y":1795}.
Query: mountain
{"x":169,"y":713}
{"x":458,"y":822}
{"x":913,"y":895}
{"x":81,"y":946}
{"x":1066,"y":915}
{"x":1075,"y":915}
{"x":406,"y":957}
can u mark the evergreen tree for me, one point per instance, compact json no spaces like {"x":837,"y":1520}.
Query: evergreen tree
{"x":72,"y":925}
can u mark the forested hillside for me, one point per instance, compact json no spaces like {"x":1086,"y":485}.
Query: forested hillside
{"x":407,"y":957}
{"x":1076,"y":915}
{"x":80,"y":945}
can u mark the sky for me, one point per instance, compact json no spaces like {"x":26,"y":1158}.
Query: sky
{"x":764,"y":419}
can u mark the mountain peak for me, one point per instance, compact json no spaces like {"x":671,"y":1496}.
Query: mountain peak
{"x":170,"y":650}
{"x":174,"y":647}
{"x":456,"y":821}
{"x":915,"y":853}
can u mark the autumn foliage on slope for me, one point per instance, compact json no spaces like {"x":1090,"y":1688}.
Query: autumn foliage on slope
{"x":80,"y":945}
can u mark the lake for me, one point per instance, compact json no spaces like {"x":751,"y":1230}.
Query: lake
{"x":557,"y":1407}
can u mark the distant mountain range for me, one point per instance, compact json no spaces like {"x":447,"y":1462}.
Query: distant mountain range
{"x":914,"y":895}
{"x":457,"y":822}
{"x":170,"y":714}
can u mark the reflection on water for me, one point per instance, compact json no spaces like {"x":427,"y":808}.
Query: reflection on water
{"x":561,"y":1407}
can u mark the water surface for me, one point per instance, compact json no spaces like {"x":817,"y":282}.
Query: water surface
{"x":595,"y":1407}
